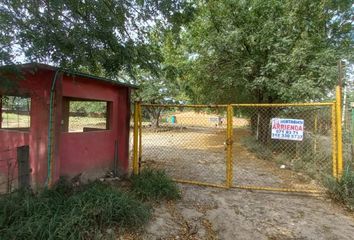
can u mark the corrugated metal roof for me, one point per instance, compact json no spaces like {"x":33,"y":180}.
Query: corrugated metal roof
{"x":69,"y":72}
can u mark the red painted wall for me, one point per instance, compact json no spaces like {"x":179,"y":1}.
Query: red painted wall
{"x":74,"y":153}
{"x":8,"y":154}
{"x":87,"y":151}
{"x":36,"y":84}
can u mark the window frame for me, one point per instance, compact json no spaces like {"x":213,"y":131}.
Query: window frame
{"x":65,"y":115}
{"x":16,"y":129}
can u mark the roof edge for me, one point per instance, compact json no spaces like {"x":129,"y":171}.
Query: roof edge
{"x":35,"y":65}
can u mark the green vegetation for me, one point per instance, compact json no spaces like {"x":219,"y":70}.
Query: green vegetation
{"x":343,"y":190}
{"x":194,"y":51}
{"x":154,"y":185}
{"x":86,"y":108}
{"x":68,"y":213}
{"x":297,"y":156}
{"x":262,"y":50}
{"x":257,"y":148}
{"x":92,"y":211}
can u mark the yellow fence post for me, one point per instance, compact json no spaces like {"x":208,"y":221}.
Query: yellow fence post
{"x":140,"y":136}
{"x":135,"y":138}
{"x":339,"y":132}
{"x":334,"y":141}
{"x":229,"y":142}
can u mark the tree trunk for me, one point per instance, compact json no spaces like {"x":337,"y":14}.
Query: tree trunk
{"x":262,"y":124}
{"x":155,"y":114}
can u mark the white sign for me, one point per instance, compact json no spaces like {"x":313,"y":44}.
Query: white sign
{"x":288,"y":129}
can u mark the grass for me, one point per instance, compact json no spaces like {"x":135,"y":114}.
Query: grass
{"x":91,"y":211}
{"x":315,"y":165}
{"x":68,"y":213}
{"x":342,"y":190}
{"x":257,"y":148}
{"x":154,"y":185}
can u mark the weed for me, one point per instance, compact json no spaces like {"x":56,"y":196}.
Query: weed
{"x":257,"y":148}
{"x":65,"y":212}
{"x":342,"y":190}
{"x":154,"y":185}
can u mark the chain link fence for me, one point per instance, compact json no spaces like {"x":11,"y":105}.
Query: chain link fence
{"x":8,"y":167}
{"x":348,"y":135}
{"x":187,"y":142}
{"x":288,"y":147}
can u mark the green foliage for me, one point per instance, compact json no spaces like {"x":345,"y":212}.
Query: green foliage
{"x":342,"y":190}
{"x":68,"y":213}
{"x":16,"y":103}
{"x":154,"y":185}
{"x":87,"y":107}
{"x":262,"y":51}
{"x":101,"y":37}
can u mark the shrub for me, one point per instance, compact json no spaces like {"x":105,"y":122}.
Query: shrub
{"x":68,"y":213}
{"x":342,"y":190}
{"x":154,"y":185}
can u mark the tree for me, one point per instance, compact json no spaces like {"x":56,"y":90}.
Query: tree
{"x":105,"y":37}
{"x":263,"y":51}
{"x":157,"y":89}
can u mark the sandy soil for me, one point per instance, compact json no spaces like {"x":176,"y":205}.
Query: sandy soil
{"x":210,"y":213}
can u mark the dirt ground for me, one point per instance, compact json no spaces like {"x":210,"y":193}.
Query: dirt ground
{"x":198,"y":154}
{"x":210,"y":213}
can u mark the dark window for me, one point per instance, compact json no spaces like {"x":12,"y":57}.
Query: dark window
{"x":15,"y":113}
{"x":81,"y":115}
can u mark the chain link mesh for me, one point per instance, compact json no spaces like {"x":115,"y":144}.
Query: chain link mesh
{"x":348,"y":135}
{"x":190,"y":143}
{"x":187,"y":142}
{"x":262,"y":161}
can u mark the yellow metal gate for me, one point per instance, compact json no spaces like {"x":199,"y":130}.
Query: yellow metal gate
{"x":278,"y":147}
{"x":288,"y":147}
{"x":186,"y":141}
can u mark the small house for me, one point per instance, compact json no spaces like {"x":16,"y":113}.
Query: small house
{"x":55,"y":122}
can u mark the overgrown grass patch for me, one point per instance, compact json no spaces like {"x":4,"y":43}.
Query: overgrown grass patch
{"x":154,"y":185}
{"x":259,"y":149}
{"x":65,"y":212}
{"x":342,"y":190}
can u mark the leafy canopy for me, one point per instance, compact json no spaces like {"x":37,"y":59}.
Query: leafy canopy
{"x":262,"y":51}
{"x":103,"y":37}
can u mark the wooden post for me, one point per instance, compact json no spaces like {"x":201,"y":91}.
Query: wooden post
{"x":23,"y":167}
{"x":115,"y":164}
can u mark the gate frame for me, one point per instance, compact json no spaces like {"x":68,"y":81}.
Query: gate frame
{"x":336,"y":128}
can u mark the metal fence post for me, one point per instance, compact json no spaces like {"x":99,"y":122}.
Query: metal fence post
{"x":140,"y":136}
{"x":229,"y":142}
{"x":339,"y":132}
{"x":334,"y":141}
{"x":135,"y":137}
